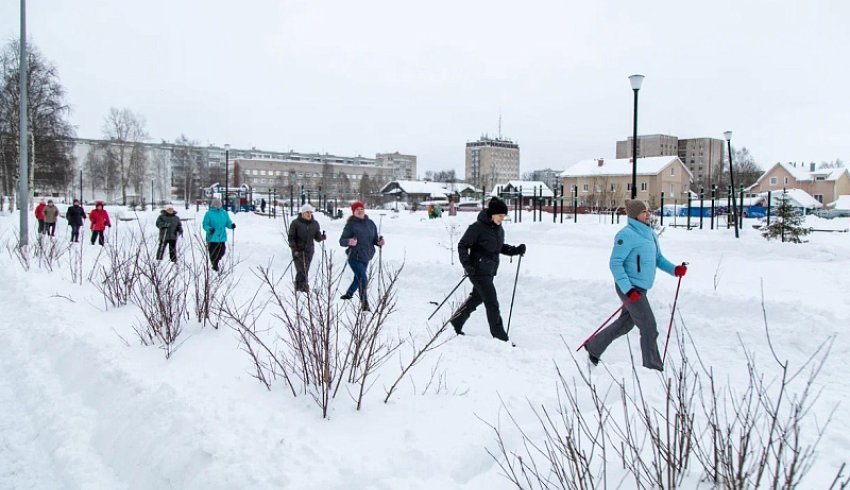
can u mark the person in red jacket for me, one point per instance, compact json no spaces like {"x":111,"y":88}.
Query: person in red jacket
{"x":39,"y":215}
{"x":99,"y":220}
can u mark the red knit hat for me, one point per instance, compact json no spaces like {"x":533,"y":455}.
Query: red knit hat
{"x":357,"y":204}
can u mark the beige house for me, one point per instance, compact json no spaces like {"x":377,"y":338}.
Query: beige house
{"x":603,"y":184}
{"x":825,"y":185}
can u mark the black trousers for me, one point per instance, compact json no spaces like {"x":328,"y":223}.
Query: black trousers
{"x":75,"y":233}
{"x":483,"y":291}
{"x":50,"y":228}
{"x":41,"y":226}
{"x":172,"y":250}
{"x":216,"y":250}
{"x":98,"y":234}
{"x":302,"y":267}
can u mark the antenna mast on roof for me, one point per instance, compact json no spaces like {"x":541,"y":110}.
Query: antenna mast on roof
{"x":500,"y":124}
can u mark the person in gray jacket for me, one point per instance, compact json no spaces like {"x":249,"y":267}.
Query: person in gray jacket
{"x":303,"y":232}
{"x":170,"y":228}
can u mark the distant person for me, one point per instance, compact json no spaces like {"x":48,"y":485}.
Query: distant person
{"x":303,"y":232}
{"x":216,"y":222}
{"x":361,"y":237}
{"x":170,"y":228}
{"x":634,"y":258}
{"x":98,"y":222}
{"x":39,"y":214}
{"x":51,"y":214}
{"x":263,"y":206}
{"x":75,"y":216}
{"x":478,"y":251}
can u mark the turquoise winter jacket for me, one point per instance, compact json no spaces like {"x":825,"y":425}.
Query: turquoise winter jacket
{"x":635,"y":256}
{"x":217,"y":219}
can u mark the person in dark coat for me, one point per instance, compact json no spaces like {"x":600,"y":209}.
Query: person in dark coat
{"x":263,"y":205}
{"x":303,"y":232}
{"x":98,"y":221}
{"x":170,"y":228}
{"x":479,"y":250}
{"x":75,"y":216}
{"x":634,"y":259}
{"x":360,"y":235}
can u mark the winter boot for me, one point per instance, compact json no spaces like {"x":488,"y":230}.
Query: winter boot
{"x":457,"y":326}
{"x":364,"y":305}
{"x":346,"y":296}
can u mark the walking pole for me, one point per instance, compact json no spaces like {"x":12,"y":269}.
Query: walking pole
{"x":672,"y":313}
{"x":601,"y":327}
{"x":513,"y":295}
{"x":447,"y":297}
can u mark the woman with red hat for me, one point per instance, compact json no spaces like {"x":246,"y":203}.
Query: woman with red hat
{"x":360,"y":235}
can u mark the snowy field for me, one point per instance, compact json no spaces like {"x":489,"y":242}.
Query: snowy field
{"x":84,"y":405}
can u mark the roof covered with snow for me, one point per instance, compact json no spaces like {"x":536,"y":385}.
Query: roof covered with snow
{"x":843,"y":202}
{"x":804,"y":174}
{"x":528,"y":188}
{"x":621,"y":166}
{"x":433,"y":189}
{"x":799,"y":198}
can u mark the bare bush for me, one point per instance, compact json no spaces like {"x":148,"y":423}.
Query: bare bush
{"x":160,"y":293}
{"x":48,"y":252}
{"x":760,"y":436}
{"x":207,"y":287}
{"x":118,"y":277}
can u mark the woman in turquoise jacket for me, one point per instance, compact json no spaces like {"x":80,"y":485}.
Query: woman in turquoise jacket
{"x":635,"y":257}
{"x":216,"y":222}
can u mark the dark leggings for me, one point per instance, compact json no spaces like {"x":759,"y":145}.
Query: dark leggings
{"x":216,"y":250}
{"x":172,"y":250}
{"x":75,"y":233}
{"x":97,"y":234}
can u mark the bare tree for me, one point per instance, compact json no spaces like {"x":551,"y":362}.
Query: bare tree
{"x":49,"y":131}
{"x":126,"y":129}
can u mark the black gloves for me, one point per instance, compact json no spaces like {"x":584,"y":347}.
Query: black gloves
{"x":470,"y":271}
{"x":232,"y":226}
{"x":520,"y":250}
{"x":212,"y":231}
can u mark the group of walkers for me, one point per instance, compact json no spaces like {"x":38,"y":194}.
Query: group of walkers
{"x":47,"y":214}
{"x":634,"y":259}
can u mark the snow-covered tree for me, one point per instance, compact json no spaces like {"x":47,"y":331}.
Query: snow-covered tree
{"x":788,"y":225}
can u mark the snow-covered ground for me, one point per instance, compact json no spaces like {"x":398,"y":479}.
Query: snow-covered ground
{"x":80,"y":408}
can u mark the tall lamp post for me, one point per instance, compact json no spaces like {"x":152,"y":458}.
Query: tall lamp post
{"x":635,"y":80}
{"x":23,"y":182}
{"x":728,"y":136}
{"x":226,"y":172}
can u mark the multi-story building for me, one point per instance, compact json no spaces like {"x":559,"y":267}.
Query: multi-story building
{"x":601,"y":183}
{"x":403,"y":166}
{"x":332,"y":177}
{"x":704,"y":157}
{"x":491,"y":161}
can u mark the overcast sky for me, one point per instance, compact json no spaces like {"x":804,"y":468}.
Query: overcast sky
{"x":357,"y":77}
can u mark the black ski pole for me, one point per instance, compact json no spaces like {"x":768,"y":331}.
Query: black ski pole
{"x":513,"y":295}
{"x":447,"y":297}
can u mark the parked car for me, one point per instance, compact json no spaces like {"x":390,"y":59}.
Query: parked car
{"x":832,"y":213}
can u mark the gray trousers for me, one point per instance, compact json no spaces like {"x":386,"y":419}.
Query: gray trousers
{"x":638,"y":313}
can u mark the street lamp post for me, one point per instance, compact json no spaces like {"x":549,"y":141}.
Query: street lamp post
{"x":226,"y":172}
{"x":23,"y":181}
{"x":636,"y":81}
{"x":728,"y":136}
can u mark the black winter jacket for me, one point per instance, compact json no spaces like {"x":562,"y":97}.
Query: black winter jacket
{"x":481,"y":245}
{"x":169,"y":226}
{"x":75,"y":215}
{"x":302,"y":233}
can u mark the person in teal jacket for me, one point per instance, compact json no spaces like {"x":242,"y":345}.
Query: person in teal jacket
{"x":216,"y":222}
{"x":634,"y":258}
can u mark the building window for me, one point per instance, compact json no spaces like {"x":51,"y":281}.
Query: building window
{"x":628,"y":186}
{"x":598,"y":187}
{"x":585,"y":187}
{"x":643,"y":186}
{"x":819,"y":197}
{"x":673,"y":170}
{"x":774,"y":181}
{"x":613,"y":187}
{"x":786,"y":180}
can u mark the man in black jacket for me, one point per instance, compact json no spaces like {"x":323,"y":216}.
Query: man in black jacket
{"x":303,"y":231}
{"x":479,"y":250}
{"x":75,"y":216}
